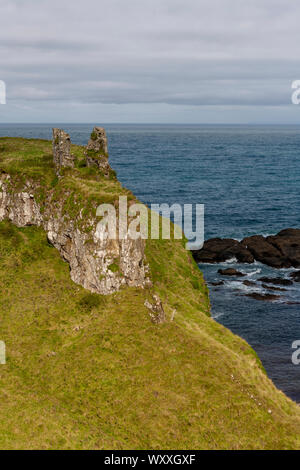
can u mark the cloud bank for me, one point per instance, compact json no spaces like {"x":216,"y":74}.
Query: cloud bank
{"x":170,"y":60}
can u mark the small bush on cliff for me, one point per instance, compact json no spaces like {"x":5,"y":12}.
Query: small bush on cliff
{"x":114,"y":267}
{"x":90,"y":300}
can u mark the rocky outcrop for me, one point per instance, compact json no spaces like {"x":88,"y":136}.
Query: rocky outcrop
{"x":266,"y":286}
{"x":62,"y":150}
{"x":287,"y":242}
{"x":97,"y":151}
{"x":20,"y":207}
{"x":265,"y":297}
{"x":156,"y":310}
{"x":279,"y":251}
{"x":218,"y":250}
{"x":98,"y":263}
{"x":278,"y":281}
{"x":230,"y":272}
{"x":265,"y":252}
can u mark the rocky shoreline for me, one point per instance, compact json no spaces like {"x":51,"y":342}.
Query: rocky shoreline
{"x":263,"y":288}
{"x":277,"y":251}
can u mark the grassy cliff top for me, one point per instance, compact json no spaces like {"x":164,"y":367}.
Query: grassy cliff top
{"x":91,"y":371}
{"x":32,"y":159}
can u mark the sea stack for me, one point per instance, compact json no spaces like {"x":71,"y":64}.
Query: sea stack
{"x":62,"y":150}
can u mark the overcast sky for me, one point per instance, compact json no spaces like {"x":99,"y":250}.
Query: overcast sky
{"x":201,"y":61}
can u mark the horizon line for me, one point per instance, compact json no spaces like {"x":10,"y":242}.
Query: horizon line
{"x":154,"y":123}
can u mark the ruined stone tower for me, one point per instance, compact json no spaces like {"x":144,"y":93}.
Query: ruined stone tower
{"x":62,"y":150}
{"x":96,"y":150}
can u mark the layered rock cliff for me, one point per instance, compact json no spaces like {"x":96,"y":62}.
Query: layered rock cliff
{"x":68,"y":216}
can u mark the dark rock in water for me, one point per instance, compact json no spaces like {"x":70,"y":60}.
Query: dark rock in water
{"x":212,"y":250}
{"x":265,"y":252}
{"x":230,"y":272}
{"x":240,"y":252}
{"x":276,"y":280}
{"x":288,"y":243}
{"x":265,"y":297}
{"x":265,"y":286}
{"x":278,"y":251}
{"x":290,"y":302}
{"x":219,"y":283}
{"x":249,"y":283}
{"x":218,"y":250}
{"x":295,"y":276}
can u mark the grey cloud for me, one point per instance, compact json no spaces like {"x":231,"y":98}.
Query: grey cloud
{"x":183,"y":53}
{"x":55,"y":45}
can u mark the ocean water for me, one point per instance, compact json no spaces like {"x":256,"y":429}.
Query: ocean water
{"x":248,"y":177}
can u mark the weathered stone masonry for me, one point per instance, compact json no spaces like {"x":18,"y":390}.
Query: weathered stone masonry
{"x":61,"y":150}
{"x":97,"y":151}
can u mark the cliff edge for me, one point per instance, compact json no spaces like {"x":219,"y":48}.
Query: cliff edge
{"x":86,"y":370}
{"x":65,"y":207}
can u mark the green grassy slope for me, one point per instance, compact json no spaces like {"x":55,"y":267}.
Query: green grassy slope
{"x":91,"y":371}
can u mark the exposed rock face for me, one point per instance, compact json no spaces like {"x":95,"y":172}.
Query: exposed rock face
{"x":156,"y":310}
{"x":61,"y":150}
{"x":97,"y":151}
{"x":240,"y":253}
{"x":20,"y":208}
{"x":279,"y":251}
{"x":265,"y":252}
{"x":288,"y":243}
{"x":98,"y":263}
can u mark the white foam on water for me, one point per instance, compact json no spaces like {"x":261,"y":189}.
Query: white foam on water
{"x":268,"y":235}
{"x":231,"y":260}
{"x":286,"y":270}
{"x":217,"y":315}
{"x":201,"y":263}
{"x":257,"y":271}
{"x":258,"y":263}
{"x":246,"y":236}
{"x":242,"y":287}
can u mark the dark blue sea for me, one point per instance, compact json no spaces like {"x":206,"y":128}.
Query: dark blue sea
{"x":248,"y":177}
